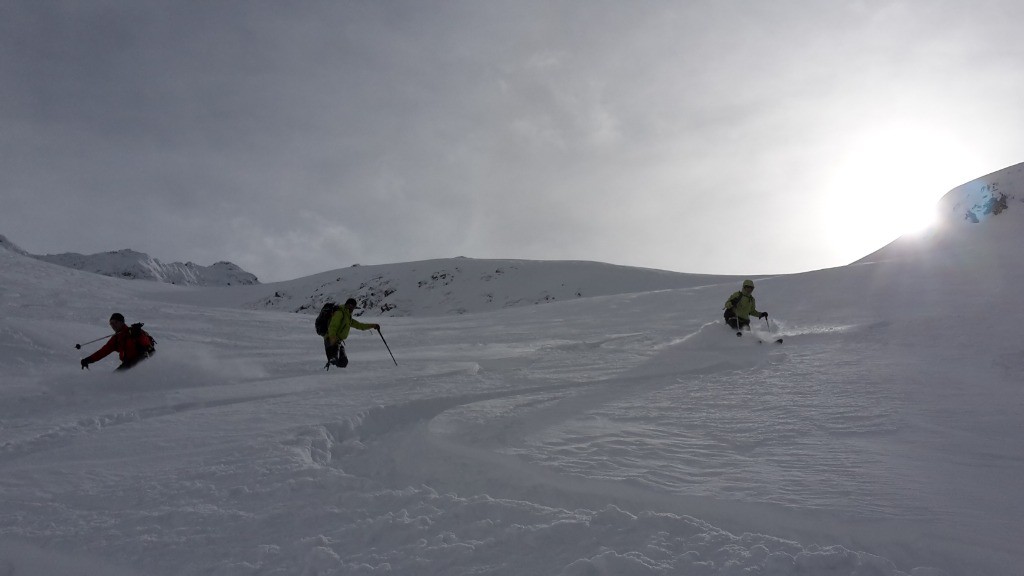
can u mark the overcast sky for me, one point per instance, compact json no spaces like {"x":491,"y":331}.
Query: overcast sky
{"x":718,"y":136}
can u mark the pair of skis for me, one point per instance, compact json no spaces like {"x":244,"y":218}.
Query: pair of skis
{"x":760,"y":341}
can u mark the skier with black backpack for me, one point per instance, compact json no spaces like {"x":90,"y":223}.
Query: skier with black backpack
{"x":741,"y":306}
{"x":333,"y":323}
{"x":132,"y":344}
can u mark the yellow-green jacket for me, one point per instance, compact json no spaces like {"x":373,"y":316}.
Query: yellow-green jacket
{"x":742,"y":304}
{"x":340,"y":324}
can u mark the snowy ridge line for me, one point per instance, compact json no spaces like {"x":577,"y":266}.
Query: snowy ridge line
{"x":64,"y":435}
{"x":456,"y":286}
{"x":129,"y":264}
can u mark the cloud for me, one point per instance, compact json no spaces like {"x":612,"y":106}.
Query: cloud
{"x":635,"y":133}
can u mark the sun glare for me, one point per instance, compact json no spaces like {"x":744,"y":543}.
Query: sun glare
{"x":887,"y":185}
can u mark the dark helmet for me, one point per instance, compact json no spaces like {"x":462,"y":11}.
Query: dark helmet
{"x":351,"y":303}
{"x":117,"y":316}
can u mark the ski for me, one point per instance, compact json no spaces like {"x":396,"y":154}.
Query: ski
{"x":759,"y":341}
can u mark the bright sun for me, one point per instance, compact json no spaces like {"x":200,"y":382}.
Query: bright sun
{"x":887,"y":185}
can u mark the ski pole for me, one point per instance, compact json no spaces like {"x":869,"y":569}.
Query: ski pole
{"x":767,"y":323}
{"x":79,"y":346}
{"x":386,"y":346}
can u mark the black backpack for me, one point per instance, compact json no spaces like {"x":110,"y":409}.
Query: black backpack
{"x":143,"y":341}
{"x":323,"y":320}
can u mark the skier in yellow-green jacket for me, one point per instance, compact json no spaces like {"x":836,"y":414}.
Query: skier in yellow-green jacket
{"x":337,"y":331}
{"x":741,"y":306}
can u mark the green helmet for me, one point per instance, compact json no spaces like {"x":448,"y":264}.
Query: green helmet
{"x":748,"y":283}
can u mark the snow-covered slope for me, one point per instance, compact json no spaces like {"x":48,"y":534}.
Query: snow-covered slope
{"x":139,"y":266}
{"x":425,"y":288}
{"x":987,"y":210}
{"x":448,"y":286}
{"x":463,"y":285}
{"x":8,"y":245}
{"x":628,"y":433}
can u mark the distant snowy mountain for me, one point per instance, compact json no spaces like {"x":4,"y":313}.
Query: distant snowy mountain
{"x":993,"y":203}
{"x":5,"y":243}
{"x":139,"y":266}
{"x":464,"y":285}
{"x":450,"y":286}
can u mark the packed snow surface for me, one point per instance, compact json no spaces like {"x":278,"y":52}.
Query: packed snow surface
{"x":621,"y":434}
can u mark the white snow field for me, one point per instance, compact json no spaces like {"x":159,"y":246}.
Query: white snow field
{"x":621,"y":434}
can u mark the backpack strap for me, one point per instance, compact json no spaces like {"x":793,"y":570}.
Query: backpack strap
{"x":734,"y":300}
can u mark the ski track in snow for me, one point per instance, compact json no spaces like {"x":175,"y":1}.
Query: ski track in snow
{"x":365,"y":450}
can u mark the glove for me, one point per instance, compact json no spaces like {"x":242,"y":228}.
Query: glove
{"x":85,"y":364}
{"x":375,"y":327}
{"x":763,"y":315}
